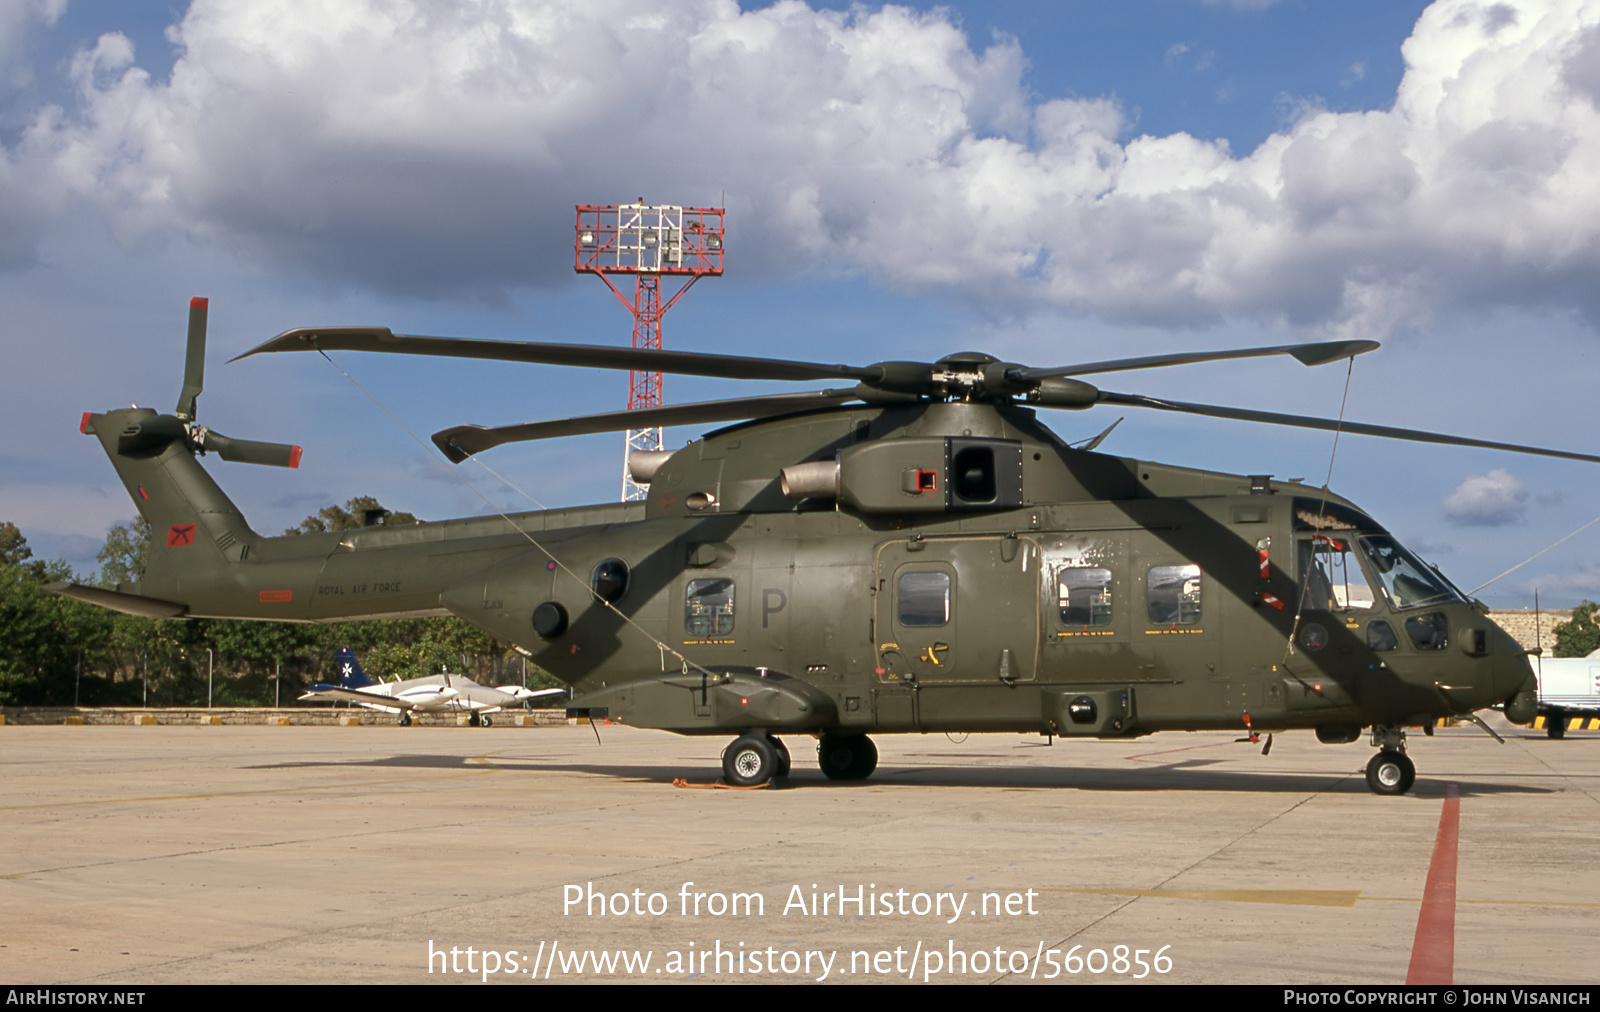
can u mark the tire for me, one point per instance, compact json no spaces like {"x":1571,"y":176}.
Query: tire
{"x":488,"y":722}
{"x":847,"y":756}
{"x":749,"y":761}
{"x":1555,"y":725}
{"x":405,"y":719}
{"x":782,"y":752}
{"x":1391,"y":773}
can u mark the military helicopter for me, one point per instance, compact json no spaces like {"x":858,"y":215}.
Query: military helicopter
{"x":914,"y":553}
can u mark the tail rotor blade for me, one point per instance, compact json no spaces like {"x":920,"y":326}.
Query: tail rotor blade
{"x":249,"y":451}
{"x":194,"y":363}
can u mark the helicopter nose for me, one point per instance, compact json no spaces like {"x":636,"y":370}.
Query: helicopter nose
{"x":1512,"y":672}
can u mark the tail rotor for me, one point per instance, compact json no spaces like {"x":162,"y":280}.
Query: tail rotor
{"x":150,"y":436}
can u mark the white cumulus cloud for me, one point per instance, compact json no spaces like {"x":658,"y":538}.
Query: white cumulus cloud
{"x":438,"y":148}
{"x":1488,"y":500}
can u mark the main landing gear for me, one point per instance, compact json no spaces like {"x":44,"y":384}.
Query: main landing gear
{"x":847,"y":756}
{"x":757,"y":757}
{"x":1391,"y":770}
{"x":754,"y":759}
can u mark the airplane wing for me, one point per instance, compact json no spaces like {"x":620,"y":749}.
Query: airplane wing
{"x":484,"y":699}
{"x":374,"y":699}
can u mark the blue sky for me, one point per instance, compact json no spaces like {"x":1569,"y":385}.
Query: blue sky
{"x":1048,"y":182}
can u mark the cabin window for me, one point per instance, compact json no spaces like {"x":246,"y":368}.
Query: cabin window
{"x":708,"y":610}
{"x":1331,"y":578}
{"x":1428,"y":632}
{"x":924,"y":599}
{"x":1084,"y":596}
{"x":1380,"y":636}
{"x":1173,"y":595}
{"x":610,"y":580}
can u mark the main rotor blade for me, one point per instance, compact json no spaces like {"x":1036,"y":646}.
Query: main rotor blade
{"x":1309,"y":354}
{"x":594,"y":356}
{"x":462,"y":441}
{"x":1331,"y":425}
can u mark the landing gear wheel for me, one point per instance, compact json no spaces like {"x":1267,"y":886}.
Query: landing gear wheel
{"x":782,"y":752}
{"x":1555,"y":725}
{"x":473,"y":720}
{"x":1391,"y":772}
{"x":405,"y":719}
{"x":488,"y":722}
{"x":749,"y":761}
{"x":847,"y":756}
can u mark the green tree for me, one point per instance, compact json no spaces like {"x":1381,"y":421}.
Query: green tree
{"x":48,"y":640}
{"x":1581,"y":636}
{"x":14,"y":550}
{"x":349,"y":517}
{"x":125,"y":553}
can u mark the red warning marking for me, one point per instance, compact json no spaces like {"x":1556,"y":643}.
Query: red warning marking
{"x":83,"y":426}
{"x":199,"y":302}
{"x":276,"y":596}
{"x":1433,"y":952}
{"x":294,"y":456}
{"x":179,"y":535}
{"x":1266,"y":581}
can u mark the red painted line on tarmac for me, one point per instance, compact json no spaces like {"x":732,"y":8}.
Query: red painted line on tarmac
{"x":1433,"y":952}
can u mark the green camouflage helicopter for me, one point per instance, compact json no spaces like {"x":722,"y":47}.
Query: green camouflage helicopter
{"x":915,"y":553}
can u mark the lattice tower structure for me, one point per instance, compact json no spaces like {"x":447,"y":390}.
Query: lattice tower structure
{"x":648,"y":241}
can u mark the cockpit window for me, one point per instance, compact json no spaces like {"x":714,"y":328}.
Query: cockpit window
{"x":1331,"y":576}
{"x":1407,"y":582}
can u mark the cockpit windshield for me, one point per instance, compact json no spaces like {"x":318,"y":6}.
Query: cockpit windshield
{"x":1348,"y":561}
{"x":1407,"y":581}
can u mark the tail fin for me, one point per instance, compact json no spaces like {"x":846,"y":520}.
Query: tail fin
{"x":350,"y":674}
{"x":196,"y":531}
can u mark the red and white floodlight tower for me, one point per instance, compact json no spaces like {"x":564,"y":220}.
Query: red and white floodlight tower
{"x":647,"y":241}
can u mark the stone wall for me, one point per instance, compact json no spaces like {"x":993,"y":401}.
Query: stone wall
{"x":1520,"y":624}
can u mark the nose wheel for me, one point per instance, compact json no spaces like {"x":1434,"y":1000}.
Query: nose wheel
{"x":1391,"y":773}
{"x":1391,"y":770}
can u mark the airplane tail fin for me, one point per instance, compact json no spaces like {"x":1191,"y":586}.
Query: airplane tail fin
{"x":350,"y":674}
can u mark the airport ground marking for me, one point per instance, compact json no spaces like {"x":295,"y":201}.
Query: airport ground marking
{"x":1433,"y":951}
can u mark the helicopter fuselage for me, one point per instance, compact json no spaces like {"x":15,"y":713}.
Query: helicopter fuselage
{"x":955,"y":567}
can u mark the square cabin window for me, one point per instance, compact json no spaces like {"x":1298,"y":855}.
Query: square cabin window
{"x":1173,"y":595}
{"x":708,"y":609}
{"x":924,"y":599}
{"x":1084,"y":596}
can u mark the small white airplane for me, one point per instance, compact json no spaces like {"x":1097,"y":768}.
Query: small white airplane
{"x":444,"y":693}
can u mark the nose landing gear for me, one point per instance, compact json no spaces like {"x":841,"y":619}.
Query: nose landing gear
{"x":1391,"y":770}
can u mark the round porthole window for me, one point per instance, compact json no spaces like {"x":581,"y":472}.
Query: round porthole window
{"x":609,"y":580}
